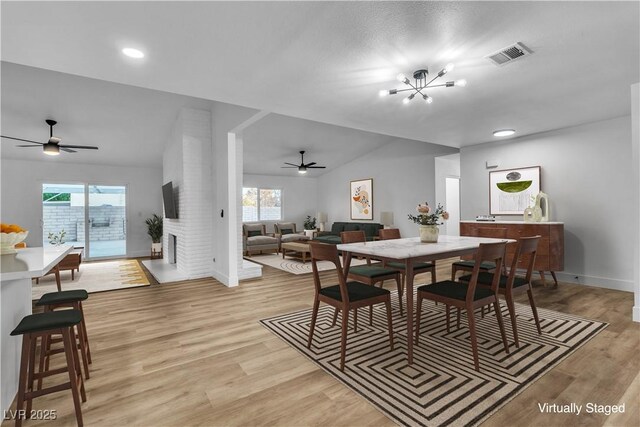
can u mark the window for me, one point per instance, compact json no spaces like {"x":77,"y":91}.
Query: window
{"x":261,"y":204}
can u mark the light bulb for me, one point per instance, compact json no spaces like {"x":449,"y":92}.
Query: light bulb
{"x":449,"y":67}
{"x":427,"y":99}
{"x":504,"y":132}
{"x":461,"y":82}
{"x":401,"y":78}
{"x":383,"y":93}
{"x":133,"y":53}
{"x":51,"y":149}
{"x":408,"y":98}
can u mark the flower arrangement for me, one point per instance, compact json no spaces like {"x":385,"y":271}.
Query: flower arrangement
{"x":426,"y":217}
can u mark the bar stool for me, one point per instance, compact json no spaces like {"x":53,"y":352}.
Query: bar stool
{"x":43,"y":325}
{"x":72,"y":299}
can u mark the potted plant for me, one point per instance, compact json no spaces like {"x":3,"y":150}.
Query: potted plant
{"x":154,"y":230}
{"x":428,"y":222}
{"x":309,"y":226}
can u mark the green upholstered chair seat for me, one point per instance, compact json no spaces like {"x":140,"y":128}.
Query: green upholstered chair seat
{"x":471,"y":264}
{"x":416,"y":266}
{"x":454,"y":290}
{"x":487,"y":279}
{"x":357,"y":291}
{"x":63,"y":297}
{"x":49,"y":320}
{"x":371,"y":271}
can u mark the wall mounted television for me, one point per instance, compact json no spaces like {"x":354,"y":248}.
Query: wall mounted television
{"x":169,"y":202}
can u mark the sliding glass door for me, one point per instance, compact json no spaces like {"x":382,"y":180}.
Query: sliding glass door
{"x":85,"y":215}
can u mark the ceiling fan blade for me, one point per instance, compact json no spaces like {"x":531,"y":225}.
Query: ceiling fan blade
{"x":290,"y":164}
{"x":54,"y":140}
{"x":310,"y":164}
{"x":316,"y":167}
{"x":68,"y":150}
{"x":30,"y":146}
{"x":20,"y":139}
{"x":84,"y":147}
{"x":288,"y":167}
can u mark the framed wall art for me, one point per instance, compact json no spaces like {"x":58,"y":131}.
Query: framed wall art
{"x":511,"y":191}
{"x":361,"y":199}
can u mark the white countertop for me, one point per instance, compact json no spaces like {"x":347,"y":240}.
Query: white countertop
{"x":31,"y":262}
{"x":512,"y":222}
{"x":412,"y":247}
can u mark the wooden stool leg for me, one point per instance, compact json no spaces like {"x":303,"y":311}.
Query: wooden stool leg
{"x":43,"y":352}
{"x":24,"y":363}
{"x":83,"y":349}
{"x":69,"y":345}
{"x":86,"y":336}
{"x":32,"y":363}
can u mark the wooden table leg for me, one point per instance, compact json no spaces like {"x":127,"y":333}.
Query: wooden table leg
{"x":409,"y":291}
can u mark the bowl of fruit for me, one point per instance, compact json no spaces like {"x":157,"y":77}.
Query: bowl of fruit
{"x":10,"y":236}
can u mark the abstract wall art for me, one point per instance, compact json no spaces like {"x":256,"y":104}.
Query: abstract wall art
{"x":511,"y":191}
{"x":361,"y":199}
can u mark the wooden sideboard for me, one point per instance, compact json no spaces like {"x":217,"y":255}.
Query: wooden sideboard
{"x":550,"y":255}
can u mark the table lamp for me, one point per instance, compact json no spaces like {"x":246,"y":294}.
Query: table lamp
{"x":321,"y":218}
{"x":386,"y":218}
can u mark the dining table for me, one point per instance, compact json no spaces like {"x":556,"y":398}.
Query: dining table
{"x":410,"y":251}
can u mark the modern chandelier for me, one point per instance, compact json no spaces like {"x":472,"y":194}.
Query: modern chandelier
{"x":421,"y":84}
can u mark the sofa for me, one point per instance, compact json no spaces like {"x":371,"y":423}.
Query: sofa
{"x":256,"y":239}
{"x":286,"y":232}
{"x":333,"y":237}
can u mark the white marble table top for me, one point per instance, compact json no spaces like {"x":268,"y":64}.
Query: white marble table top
{"x":412,"y":247}
{"x":31,"y":262}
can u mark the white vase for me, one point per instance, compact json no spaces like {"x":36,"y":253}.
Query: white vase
{"x":309,"y":233}
{"x":429,"y":233}
{"x":156,"y":247}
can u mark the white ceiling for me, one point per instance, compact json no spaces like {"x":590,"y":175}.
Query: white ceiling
{"x":326,"y":61}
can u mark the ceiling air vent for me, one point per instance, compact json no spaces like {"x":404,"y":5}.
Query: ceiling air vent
{"x":509,"y":54}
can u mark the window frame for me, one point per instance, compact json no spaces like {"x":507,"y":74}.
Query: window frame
{"x":259,"y":205}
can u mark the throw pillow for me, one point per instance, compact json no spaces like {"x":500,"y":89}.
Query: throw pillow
{"x":284,"y":231}
{"x":253,"y":233}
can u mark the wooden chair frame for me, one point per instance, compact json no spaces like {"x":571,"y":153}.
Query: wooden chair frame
{"x":487,"y":252}
{"x":497,"y":233}
{"x":323,"y":252}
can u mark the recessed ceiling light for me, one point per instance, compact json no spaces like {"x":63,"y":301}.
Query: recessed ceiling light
{"x":503,"y":132}
{"x":133,"y":53}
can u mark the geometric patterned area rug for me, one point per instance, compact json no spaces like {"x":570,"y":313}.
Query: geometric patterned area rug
{"x":95,"y":277}
{"x":295,"y":266}
{"x":441,"y":387}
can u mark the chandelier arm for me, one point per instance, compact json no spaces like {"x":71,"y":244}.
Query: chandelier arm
{"x":429,"y":87}
{"x":431,"y":81}
{"x":404,"y":90}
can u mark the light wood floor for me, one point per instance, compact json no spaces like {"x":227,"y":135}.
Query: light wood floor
{"x":193,"y":353}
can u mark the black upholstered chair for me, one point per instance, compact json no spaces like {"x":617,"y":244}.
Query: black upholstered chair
{"x":418,"y":267}
{"x":468,"y":295}
{"x":344,"y":296}
{"x":496,"y":233}
{"x":510,"y":285}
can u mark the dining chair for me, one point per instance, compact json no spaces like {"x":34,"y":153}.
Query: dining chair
{"x":371,"y":274}
{"x":510,"y":285}
{"x":468,"y":295}
{"x":418,"y":267}
{"x":344,"y":296}
{"x":496,"y":233}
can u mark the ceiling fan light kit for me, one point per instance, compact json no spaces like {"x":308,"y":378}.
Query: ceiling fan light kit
{"x":302,"y":167}
{"x":52,"y":147}
{"x":420,"y":84}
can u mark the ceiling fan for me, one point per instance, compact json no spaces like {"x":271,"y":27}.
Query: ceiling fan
{"x":302,"y":167}
{"x":53,"y":146}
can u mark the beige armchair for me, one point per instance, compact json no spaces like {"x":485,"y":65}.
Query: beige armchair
{"x":256,"y":239}
{"x":286,"y":232}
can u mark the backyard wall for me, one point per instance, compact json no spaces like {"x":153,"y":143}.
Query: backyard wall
{"x":587,"y":173}
{"x":22,"y":194}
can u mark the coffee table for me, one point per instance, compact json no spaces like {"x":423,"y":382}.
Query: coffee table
{"x":300,"y":250}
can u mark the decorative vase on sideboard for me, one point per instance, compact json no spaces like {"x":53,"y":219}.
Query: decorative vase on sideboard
{"x":429,"y":233}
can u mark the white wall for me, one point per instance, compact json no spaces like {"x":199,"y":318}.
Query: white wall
{"x":22,"y":194}
{"x":587,"y":174}
{"x":403,"y":176}
{"x":447,"y":167}
{"x":635,"y":144}
{"x":299,"y":196}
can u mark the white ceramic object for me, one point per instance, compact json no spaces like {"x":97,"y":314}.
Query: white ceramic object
{"x":8,"y":241}
{"x":429,"y":233}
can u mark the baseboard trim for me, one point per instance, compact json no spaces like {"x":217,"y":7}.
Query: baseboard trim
{"x":224,"y":279}
{"x":598,"y":282}
{"x":636,"y":313}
